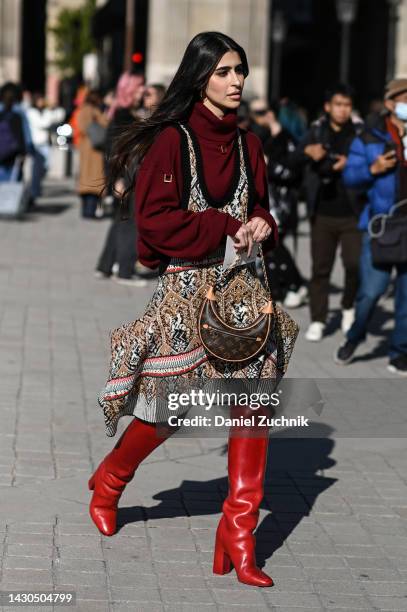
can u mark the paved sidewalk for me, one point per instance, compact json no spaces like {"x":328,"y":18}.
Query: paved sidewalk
{"x":333,"y":528}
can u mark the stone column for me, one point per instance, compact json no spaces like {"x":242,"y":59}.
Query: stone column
{"x":10,"y":40}
{"x":53,"y":75}
{"x":401,"y":44}
{"x":172,"y":24}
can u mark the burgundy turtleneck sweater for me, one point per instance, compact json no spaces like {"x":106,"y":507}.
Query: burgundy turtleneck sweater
{"x":164,"y":228}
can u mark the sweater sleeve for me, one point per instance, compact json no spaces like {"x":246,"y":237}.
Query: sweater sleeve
{"x":163,"y":226}
{"x":261,"y":206}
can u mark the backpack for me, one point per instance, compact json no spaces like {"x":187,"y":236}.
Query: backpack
{"x":8,"y":142}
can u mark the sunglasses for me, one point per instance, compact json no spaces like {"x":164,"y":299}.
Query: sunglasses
{"x":260,"y":112}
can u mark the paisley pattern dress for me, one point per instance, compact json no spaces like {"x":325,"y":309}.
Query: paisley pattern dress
{"x":164,"y":343}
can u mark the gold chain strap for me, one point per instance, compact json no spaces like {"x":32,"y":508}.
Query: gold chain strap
{"x":266,"y":280}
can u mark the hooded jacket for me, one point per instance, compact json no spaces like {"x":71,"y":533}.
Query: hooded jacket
{"x":381,"y":190}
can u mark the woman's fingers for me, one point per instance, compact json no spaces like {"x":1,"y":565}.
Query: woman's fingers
{"x":250,"y":246}
{"x":261,"y":230}
{"x":256,"y":230}
{"x":264,"y":235}
{"x":242,"y":236}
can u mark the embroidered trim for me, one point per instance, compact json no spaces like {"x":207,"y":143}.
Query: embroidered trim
{"x":186,"y":168}
{"x":116,"y":388}
{"x":177,"y":264}
{"x":173,"y":365}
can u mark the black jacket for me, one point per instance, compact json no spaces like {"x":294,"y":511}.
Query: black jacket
{"x":317,"y":172}
{"x":12,"y":124}
{"x":284,"y":178}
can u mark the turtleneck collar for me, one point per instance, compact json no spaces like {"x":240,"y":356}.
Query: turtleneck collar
{"x":208,"y":126}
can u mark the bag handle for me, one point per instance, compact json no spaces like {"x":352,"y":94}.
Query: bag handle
{"x":394,"y":208}
{"x":383,"y":218}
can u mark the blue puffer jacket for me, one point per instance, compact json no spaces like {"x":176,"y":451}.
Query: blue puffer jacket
{"x":381,"y":190}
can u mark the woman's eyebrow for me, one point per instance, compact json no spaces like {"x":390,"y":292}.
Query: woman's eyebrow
{"x":227,"y":67}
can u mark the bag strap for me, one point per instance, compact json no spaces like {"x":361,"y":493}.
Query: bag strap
{"x":394,"y":208}
{"x":263,"y":264}
{"x":383,"y":218}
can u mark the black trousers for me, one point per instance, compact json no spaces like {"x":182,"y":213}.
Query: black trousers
{"x":283,"y":274}
{"x":120,"y":245}
{"x":326,"y":234}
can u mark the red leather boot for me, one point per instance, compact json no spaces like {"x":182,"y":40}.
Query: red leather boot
{"x":235,"y":542}
{"x":117,"y":469}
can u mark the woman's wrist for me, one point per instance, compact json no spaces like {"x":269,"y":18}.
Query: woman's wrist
{"x":232,"y":226}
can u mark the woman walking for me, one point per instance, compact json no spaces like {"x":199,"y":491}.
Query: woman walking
{"x":12,"y":141}
{"x":41,"y":118}
{"x":200,"y":181}
{"x":120,"y":244}
{"x":91,"y":174}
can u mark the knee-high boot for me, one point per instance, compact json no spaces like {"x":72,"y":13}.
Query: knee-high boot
{"x":235,"y":542}
{"x":117,"y":469}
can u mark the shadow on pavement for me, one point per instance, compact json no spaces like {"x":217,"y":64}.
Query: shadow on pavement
{"x":47,"y":209}
{"x":379,"y":351}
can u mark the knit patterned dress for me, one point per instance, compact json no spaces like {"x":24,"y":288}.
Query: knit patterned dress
{"x":164,"y":343}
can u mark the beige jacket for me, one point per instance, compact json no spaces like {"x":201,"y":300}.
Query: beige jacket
{"x":91,"y":170}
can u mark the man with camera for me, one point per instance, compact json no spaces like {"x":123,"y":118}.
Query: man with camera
{"x":377,"y":162}
{"x":331,"y":210}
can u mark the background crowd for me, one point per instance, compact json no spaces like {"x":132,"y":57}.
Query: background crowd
{"x":345,"y":168}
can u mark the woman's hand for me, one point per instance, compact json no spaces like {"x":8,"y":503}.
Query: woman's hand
{"x":259,"y":228}
{"x":243,"y":239}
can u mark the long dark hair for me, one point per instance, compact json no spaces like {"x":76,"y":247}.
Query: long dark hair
{"x":198,"y":63}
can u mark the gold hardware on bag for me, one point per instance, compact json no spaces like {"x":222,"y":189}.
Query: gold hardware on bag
{"x":211,"y":294}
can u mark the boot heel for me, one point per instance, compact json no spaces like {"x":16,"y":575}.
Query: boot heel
{"x":221,"y":561}
{"x":91,"y":483}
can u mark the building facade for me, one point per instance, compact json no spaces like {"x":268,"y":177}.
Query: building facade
{"x":10,"y":40}
{"x":293,"y":46}
{"x":172,"y":24}
{"x":401,"y":39}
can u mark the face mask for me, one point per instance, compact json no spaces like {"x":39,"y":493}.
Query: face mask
{"x":401,"y":111}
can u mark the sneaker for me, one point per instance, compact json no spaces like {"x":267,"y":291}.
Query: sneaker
{"x":345,"y":352}
{"x":131,"y":282}
{"x":315,"y":331}
{"x":398,"y":365}
{"x":100,"y":274}
{"x":294,"y":299}
{"x":348,"y":317}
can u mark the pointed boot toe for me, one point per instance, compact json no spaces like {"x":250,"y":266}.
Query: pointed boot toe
{"x":117,"y":469}
{"x":255,"y":578}
{"x":107,"y":490}
{"x":235,"y":542}
{"x":104,"y":519}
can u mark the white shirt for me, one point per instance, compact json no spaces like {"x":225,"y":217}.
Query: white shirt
{"x":41,"y":121}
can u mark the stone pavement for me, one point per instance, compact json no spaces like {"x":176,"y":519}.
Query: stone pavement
{"x":333,"y":528}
